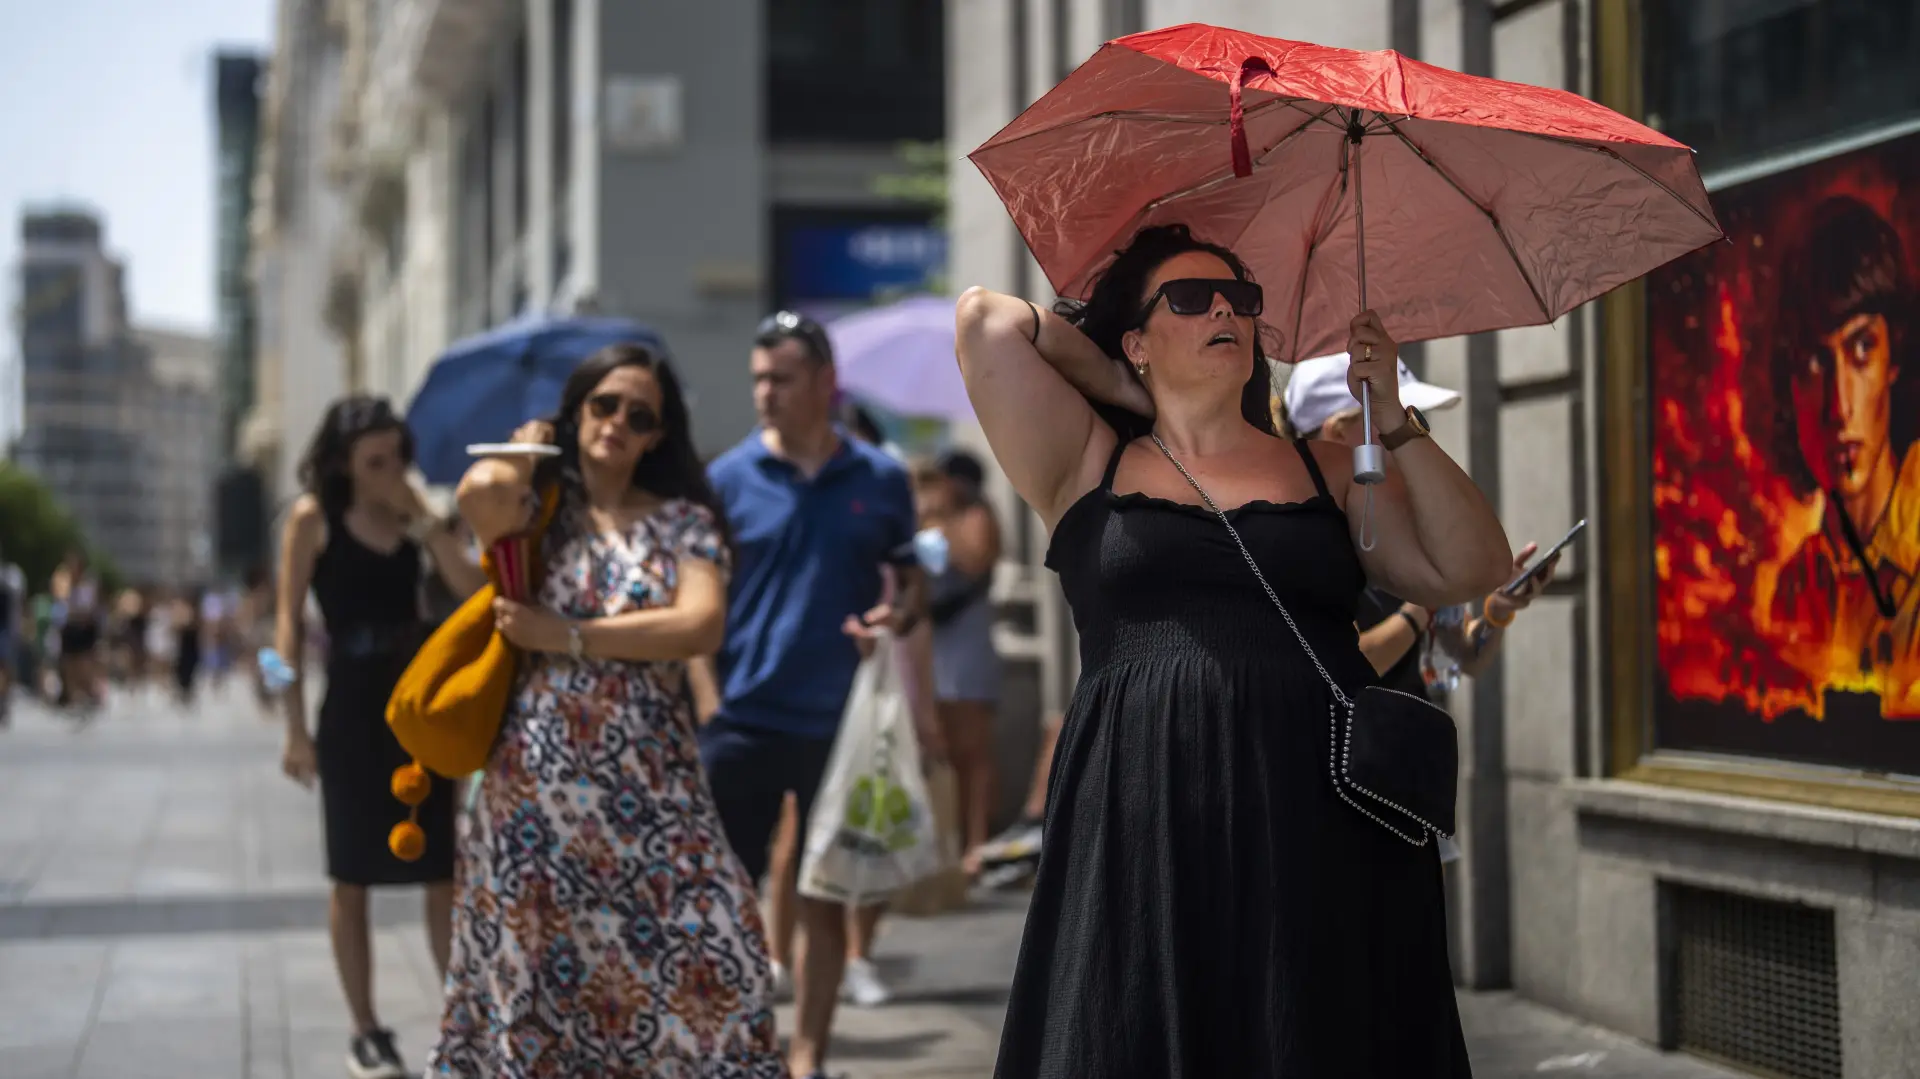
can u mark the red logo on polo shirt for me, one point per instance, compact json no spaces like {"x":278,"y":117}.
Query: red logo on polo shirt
{"x":858,"y":506}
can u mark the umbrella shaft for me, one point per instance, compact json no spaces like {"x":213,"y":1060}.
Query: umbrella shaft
{"x":1359,"y":211}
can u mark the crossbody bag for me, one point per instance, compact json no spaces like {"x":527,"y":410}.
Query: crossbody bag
{"x":1393,"y":756}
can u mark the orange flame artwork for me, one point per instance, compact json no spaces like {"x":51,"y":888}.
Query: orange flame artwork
{"x":1786,"y":484}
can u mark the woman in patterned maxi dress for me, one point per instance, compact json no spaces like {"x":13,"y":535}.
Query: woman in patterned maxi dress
{"x":603,"y":926}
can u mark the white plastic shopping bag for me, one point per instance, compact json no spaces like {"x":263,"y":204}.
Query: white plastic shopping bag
{"x":871,"y":832}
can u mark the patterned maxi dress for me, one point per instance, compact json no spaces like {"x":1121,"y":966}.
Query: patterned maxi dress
{"x":603,"y":926}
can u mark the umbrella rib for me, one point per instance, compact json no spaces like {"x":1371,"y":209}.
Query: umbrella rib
{"x":1284,"y":139}
{"x":1300,"y":300}
{"x":1323,"y":228}
{"x":1643,"y":173}
{"x":1492,"y":219}
{"x":1216,"y":181}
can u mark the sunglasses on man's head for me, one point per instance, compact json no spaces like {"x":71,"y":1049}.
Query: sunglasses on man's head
{"x":641,"y":419}
{"x":795,"y":324}
{"x":1194,"y":296}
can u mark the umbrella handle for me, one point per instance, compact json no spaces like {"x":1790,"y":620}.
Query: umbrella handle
{"x":1369,"y":464}
{"x":1369,"y":457}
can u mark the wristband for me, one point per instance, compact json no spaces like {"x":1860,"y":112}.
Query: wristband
{"x":1486,"y":612}
{"x":1412,"y":622}
{"x":1035,"y":337}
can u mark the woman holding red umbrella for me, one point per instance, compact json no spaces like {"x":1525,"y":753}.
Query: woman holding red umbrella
{"x":1206,"y":904}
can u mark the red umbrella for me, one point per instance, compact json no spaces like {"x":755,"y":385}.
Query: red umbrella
{"x":1489,"y":204}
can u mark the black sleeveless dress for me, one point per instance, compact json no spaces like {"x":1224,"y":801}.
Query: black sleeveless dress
{"x":370,"y":601}
{"x":1206,"y":907}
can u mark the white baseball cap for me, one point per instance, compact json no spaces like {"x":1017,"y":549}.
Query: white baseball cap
{"x":1317,"y":392}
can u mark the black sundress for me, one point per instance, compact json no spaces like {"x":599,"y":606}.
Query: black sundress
{"x":1205,"y":905}
{"x":370,"y":601}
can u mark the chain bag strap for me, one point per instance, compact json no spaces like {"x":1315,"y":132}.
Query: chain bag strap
{"x":1397,"y":751}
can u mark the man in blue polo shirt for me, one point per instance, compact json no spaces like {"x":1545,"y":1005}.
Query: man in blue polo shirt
{"x":815,"y":513}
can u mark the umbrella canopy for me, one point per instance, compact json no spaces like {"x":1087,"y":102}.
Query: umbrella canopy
{"x":1488,"y":204}
{"x":901,"y":358}
{"x":485,"y":386}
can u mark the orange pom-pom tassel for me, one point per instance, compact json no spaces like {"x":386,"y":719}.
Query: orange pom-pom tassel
{"x":407,"y":841}
{"x":411,"y":784}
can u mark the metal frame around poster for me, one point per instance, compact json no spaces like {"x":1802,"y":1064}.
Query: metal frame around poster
{"x":1626,"y":538}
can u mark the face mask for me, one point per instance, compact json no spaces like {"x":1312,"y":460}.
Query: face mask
{"x":930,"y":550}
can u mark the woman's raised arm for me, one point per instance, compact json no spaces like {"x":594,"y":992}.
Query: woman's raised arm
{"x":1027,"y":371}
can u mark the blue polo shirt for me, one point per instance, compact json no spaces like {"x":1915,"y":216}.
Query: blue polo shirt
{"x":808,"y":553}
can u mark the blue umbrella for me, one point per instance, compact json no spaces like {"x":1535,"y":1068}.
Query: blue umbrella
{"x":486,"y":386}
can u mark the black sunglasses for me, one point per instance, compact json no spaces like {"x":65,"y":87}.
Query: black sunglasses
{"x":1194,"y":296}
{"x":785,"y":324}
{"x":640,"y":417}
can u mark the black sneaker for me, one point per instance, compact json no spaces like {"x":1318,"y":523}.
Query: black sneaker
{"x":373,"y":1056}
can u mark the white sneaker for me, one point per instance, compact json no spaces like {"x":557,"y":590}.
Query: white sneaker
{"x":862,"y":986}
{"x":782,"y":982}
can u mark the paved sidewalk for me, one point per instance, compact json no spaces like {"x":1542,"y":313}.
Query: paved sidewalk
{"x":163,"y":910}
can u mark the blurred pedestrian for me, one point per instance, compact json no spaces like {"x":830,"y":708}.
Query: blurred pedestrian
{"x":966,"y":667}
{"x":189,"y":644}
{"x":161,"y":642}
{"x":356,"y":539}
{"x":215,"y":619}
{"x":131,"y":616}
{"x":862,"y":983}
{"x":1319,"y":405}
{"x":43,"y":648}
{"x":78,"y":616}
{"x":13,"y":622}
{"x":604,"y":928}
{"x":817,"y":513}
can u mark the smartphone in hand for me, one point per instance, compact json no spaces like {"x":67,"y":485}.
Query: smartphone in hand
{"x":1538,"y":569}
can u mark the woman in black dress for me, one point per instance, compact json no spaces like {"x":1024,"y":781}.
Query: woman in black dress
{"x":1205,"y":904}
{"x":355,"y":539}
{"x":189,"y":633}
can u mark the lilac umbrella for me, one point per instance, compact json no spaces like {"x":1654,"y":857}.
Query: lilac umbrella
{"x":900,"y":357}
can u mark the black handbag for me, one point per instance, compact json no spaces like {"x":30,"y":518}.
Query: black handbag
{"x":1393,"y":756}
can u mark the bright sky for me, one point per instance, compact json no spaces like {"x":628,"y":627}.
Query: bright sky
{"x":109,"y":103}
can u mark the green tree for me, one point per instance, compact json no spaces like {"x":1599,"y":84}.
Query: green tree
{"x":35,"y":532}
{"x":921,"y":181}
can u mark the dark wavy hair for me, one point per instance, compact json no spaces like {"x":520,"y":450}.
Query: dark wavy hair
{"x":1113,"y":308}
{"x":1846,"y":261}
{"x":326,"y":468}
{"x":671,"y":469}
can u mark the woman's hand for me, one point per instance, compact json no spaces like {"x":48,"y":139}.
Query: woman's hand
{"x":539,"y":431}
{"x":534,"y":629}
{"x":1374,"y":360}
{"x":1501,"y":607}
{"x":1125,"y":390}
{"x":407,"y":503}
{"x":299,"y":760}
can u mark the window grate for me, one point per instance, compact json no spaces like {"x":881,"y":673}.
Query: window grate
{"x":1754,"y":983}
